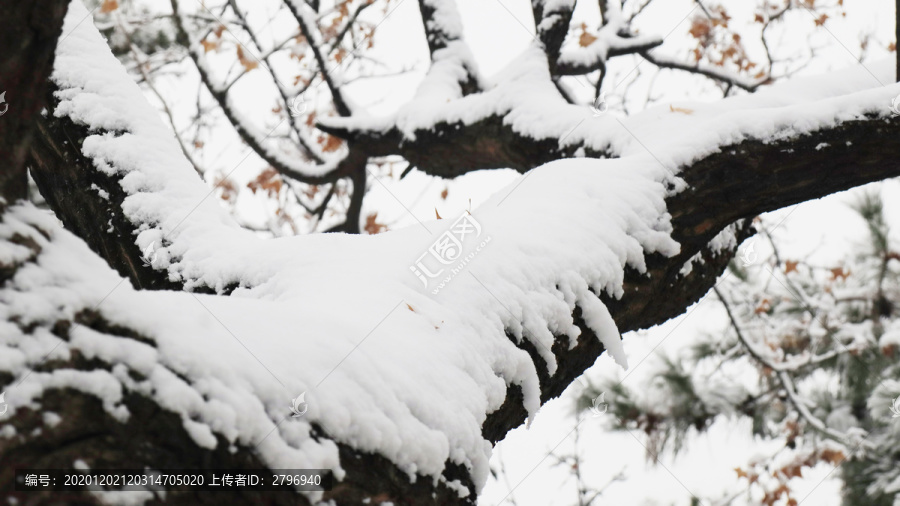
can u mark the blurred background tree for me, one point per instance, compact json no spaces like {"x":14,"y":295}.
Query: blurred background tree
{"x":810,"y":355}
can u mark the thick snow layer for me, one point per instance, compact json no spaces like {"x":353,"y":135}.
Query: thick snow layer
{"x":370,"y":349}
{"x":676,"y":135}
{"x":388,"y":365}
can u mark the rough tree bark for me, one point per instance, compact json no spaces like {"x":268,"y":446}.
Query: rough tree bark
{"x":28,"y":33}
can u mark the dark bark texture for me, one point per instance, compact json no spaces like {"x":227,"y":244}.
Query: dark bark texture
{"x":28,"y":34}
{"x":62,"y":174}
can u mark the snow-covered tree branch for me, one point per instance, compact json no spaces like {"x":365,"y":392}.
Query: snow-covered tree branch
{"x":183,"y":337}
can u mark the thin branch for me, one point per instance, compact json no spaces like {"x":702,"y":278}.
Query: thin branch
{"x":610,"y":45}
{"x":704,"y":70}
{"x":639,"y":10}
{"x":346,"y":29}
{"x":312,"y":175}
{"x":312,"y":39}
{"x":784,"y":378}
{"x":282,"y":90}
{"x":765,"y":28}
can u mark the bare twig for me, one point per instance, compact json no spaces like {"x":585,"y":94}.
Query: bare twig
{"x":312,"y":38}
{"x":288,"y":168}
{"x":784,"y":378}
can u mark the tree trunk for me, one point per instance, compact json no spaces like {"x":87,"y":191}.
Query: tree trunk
{"x":28,"y":34}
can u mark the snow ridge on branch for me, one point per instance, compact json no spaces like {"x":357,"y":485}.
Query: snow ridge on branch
{"x":463,"y":346}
